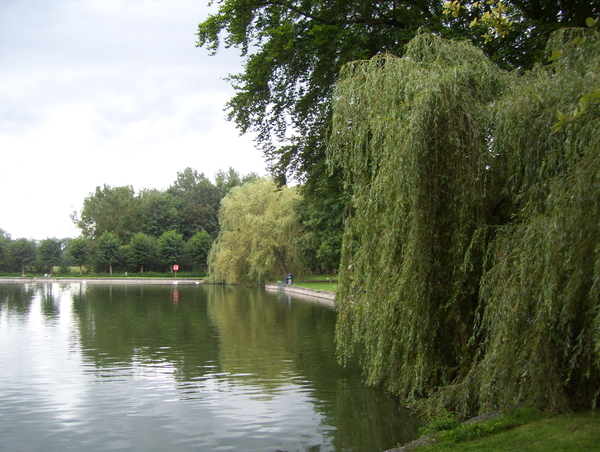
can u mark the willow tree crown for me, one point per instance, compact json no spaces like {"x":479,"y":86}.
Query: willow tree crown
{"x":455,"y":165}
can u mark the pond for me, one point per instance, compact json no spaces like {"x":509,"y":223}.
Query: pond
{"x":136,"y":367}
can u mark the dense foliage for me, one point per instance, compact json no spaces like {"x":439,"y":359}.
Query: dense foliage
{"x":170,"y":247}
{"x":129,"y":231}
{"x":478,"y":282}
{"x":49,"y":253}
{"x":108,"y":250}
{"x":189,"y":205}
{"x":322,"y":209}
{"x":259,"y":235}
{"x":294,"y":50}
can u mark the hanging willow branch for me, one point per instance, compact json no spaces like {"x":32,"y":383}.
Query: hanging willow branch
{"x":441,"y":151}
{"x":412,"y":135}
{"x":541,"y":294}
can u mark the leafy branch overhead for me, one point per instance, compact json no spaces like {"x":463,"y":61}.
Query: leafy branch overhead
{"x":496,"y":17}
{"x":498,"y":20}
{"x":589,"y":99}
{"x":293,"y":51}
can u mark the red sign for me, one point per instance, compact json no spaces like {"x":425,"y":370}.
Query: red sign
{"x":175,"y":268}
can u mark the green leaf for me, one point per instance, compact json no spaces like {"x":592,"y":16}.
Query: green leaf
{"x":555,"y":55}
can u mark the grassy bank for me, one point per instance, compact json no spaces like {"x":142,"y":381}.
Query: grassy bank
{"x":524,"y":431}
{"x":318,"y":282}
{"x":328,"y":286}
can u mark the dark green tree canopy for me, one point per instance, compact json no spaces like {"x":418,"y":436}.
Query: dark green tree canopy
{"x":294,"y":50}
{"x":109,"y":209}
{"x":142,"y":250}
{"x":4,"y":241}
{"x":50,"y":253}
{"x":226,"y":180}
{"x":108,"y":250}
{"x":158,"y":212}
{"x":79,"y":250}
{"x":189,"y":205}
{"x":198,"y":247}
{"x":21,"y":252}
{"x":197,"y":201}
{"x":170,"y":247}
{"x":322,"y":210}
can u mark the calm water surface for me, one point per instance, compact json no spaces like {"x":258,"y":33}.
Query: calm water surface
{"x":99,"y":367}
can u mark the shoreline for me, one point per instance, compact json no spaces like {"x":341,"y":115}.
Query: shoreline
{"x":124,"y":280}
{"x":315,"y":295}
{"x":323,"y":296}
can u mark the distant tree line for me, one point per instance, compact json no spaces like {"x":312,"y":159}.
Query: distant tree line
{"x":136,"y":232}
{"x":126,"y":230}
{"x":105,"y":254}
{"x":189,"y":205}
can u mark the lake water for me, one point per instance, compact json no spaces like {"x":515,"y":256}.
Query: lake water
{"x":132,"y":367}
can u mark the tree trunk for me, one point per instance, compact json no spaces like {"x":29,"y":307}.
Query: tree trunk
{"x":281,"y":262}
{"x":110,"y":269}
{"x":80,"y":270}
{"x":142,"y":268}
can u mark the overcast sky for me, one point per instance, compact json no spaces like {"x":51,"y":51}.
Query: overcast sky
{"x":113,"y":92}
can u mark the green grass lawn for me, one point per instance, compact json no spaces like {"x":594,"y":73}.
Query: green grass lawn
{"x":328,"y":286}
{"x":522,"y":432}
{"x":320,"y":278}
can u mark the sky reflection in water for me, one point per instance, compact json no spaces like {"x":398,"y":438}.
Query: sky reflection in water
{"x":142,"y":368}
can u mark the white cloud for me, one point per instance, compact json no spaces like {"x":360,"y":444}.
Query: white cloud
{"x":106,"y":91}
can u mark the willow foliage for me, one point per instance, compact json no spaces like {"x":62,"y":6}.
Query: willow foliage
{"x":258,"y":236}
{"x":541,"y":297}
{"x":412,"y":135}
{"x":462,"y":196}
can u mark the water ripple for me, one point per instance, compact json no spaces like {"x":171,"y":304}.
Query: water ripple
{"x":117,"y":369}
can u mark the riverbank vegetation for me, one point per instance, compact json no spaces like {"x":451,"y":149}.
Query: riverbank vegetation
{"x":258,"y":239}
{"x":523,"y":429}
{"x":468,"y":273}
{"x":477,"y":286}
{"x":124,"y":231}
{"x":127,"y":231}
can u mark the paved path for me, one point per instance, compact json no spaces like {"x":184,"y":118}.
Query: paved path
{"x":322,"y":295}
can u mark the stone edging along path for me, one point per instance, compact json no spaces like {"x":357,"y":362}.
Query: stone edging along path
{"x":324,"y":295}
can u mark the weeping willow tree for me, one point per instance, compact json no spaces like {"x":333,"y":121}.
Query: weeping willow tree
{"x":540,"y":326}
{"x":412,"y":134}
{"x":455,"y":215}
{"x":258,"y":237}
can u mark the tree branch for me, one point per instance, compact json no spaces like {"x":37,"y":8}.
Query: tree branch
{"x":337,"y":22}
